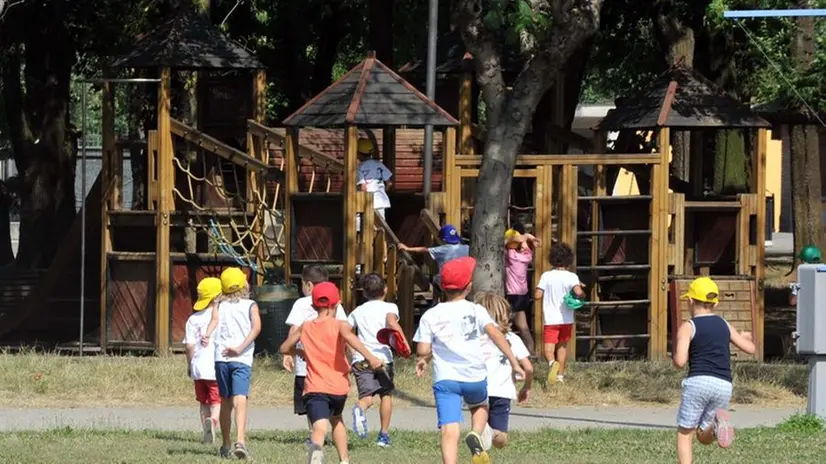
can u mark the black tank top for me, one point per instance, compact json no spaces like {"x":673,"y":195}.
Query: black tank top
{"x":709,"y":352}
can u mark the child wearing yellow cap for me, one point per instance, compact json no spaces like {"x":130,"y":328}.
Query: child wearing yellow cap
{"x":519,"y":248}
{"x":373,"y":176}
{"x":703,"y":343}
{"x":200,"y":359}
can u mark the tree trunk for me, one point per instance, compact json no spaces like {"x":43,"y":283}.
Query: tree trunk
{"x":381,"y":30}
{"x":806,"y":191}
{"x":332,"y":31}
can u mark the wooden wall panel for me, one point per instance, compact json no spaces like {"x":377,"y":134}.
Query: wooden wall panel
{"x":318,"y":228}
{"x":131,"y":295}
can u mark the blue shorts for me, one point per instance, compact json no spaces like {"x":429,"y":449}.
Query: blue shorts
{"x":233,"y":379}
{"x":449,"y":395}
{"x":499,"y":413}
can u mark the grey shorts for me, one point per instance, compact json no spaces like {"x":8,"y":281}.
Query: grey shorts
{"x":370,"y":382}
{"x":702,"y":395}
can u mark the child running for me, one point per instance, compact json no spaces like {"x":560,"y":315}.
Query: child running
{"x":200,"y":359}
{"x":501,"y":387}
{"x":368,"y":319}
{"x":703,"y":343}
{"x":325,"y":390}
{"x":558,"y":317}
{"x":450,"y":334}
{"x":518,"y":257}
{"x":238,"y":322}
{"x":301,"y":312}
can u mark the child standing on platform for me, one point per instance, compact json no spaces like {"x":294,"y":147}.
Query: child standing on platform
{"x":450,"y":334}
{"x":201,"y":359}
{"x":238,"y":323}
{"x":325,"y":390}
{"x":301,"y":312}
{"x":518,"y":257}
{"x":501,"y":387}
{"x":368,"y":319}
{"x":373,"y":176}
{"x":553,"y":286}
{"x":703,"y":343}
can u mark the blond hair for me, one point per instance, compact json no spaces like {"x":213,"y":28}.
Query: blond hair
{"x":498,"y":308}
{"x":234,"y":297}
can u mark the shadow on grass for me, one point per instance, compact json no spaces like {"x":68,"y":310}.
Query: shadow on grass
{"x":192,"y":451}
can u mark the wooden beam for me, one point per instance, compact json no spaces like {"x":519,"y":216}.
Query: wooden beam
{"x":562,"y":160}
{"x":466,"y":146}
{"x":431,"y":223}
{"x":568,"y":208}
{"x":316,"y":157}
{"x":350,"y":234}
{"x":543,"y":200}
{"x":658,"y":274}
{"x":405,"y":300}
{"x":677,"y":251}
{"x":759,"y":188}
{"x":151,"y":167}
{"x":256,"y":184}
{"x":108,"y":131}
{"x":599,"y":189}
{"x":453,"y":203}
{"x":215,"y":146}
{"x":291,"y":187}
{"x":368,"y":233}
{"x":165,"y":169}
{"x":517,"y":173}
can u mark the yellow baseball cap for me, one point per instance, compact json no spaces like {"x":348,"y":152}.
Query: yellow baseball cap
{"x":364,"y":146}
{"x":510,"y":233}
{"x":703,"y":289}
{"x":233,"y":279}
{"x":208,"y":289}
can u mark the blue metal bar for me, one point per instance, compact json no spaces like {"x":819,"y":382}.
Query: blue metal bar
{"x":733,"y":14}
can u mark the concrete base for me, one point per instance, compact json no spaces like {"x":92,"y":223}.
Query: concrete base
{"x":817,"y":386}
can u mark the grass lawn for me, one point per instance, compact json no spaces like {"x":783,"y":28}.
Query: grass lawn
{"x":783,"y":444}
{"x":45,"y":380}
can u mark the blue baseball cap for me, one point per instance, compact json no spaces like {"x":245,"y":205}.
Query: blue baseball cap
{"x":449,"y":235}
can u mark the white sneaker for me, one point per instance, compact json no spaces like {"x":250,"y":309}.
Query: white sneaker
{"x":487,"y":437}
{"x":209,"y":432}
{"x":560,"y":378}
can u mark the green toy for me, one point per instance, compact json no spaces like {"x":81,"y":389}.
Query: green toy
{"x":810,"y":254}
{"x":572,"y":301}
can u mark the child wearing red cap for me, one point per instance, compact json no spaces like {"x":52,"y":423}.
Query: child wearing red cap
{"x":368,"y":319}
{"x":326,"y":386}
{"x":451,"y":334}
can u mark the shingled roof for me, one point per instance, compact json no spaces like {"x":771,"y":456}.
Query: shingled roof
{"x":681,"y":98}
{"x":187,"y":41}
{"x":370,"y":95}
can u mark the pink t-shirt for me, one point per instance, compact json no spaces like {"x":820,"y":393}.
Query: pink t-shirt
{"x":516,"y":271}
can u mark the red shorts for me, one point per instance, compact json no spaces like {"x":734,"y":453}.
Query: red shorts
{"x":558,"y":333}
{"x":206,"y":392}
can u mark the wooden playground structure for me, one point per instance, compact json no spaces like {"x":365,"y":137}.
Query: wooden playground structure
{"x":272,"y":200}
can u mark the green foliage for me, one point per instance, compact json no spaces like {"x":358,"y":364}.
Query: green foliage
{"x":511,"y":19}
{"x":808,"y":424}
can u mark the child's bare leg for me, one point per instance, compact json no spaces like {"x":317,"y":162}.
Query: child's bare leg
{"x":706,"y":436}
{"x":500,"y":439}
{"x":214,"y":412}
{"x":520,"y":320}
{"x":450,"y":443}
{"x":340,"y":438}
{"x":478,"y":418}
{"x":226,"y":421}
{"x":685,"y":437}
{"x":562,"y":356}
{"x":206,"y":413}
{"x":385,"y":411}
{"x":319,"y":432}
{"x":239,"y":402}
{"x":549,"y":351}
{"x":365,"y":403}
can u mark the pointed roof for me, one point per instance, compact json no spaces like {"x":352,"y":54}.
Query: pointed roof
{"x":681,"y":98}
{"x":370,"y":95}
{"x":187,"y":41}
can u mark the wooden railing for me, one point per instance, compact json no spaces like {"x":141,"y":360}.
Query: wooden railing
{"x":215,"y":146}
{"x":268,"y":133}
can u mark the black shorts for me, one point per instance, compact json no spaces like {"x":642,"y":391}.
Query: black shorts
{"x":519,"y":303}
{"x":370,"y":382}
{"x":499,"y":413}
{"x":323,"y":406}
{"x":298,"y":396}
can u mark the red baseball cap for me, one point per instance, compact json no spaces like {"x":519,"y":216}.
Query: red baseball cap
{"x":457,"y":274}
{"x":394,"y":339}
{"x":325,"y":295}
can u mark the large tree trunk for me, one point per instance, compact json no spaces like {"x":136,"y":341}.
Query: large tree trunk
{"x":381,"y":30}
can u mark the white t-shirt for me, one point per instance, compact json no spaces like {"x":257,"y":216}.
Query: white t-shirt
{"x":369,"y":318}
{"x":234,"y":324}
{"x":500,"y":371}
{"x":373,"y":174}
{"x":302,"y":312}
{"x":555,"y":284}
{"x":202,"y":364}
{"x":455,"y":331}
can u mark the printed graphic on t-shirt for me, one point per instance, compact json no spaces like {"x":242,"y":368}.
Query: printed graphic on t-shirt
{"x":469,"y":329}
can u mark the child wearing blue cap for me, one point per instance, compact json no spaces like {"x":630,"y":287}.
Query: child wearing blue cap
{"x":452,"y":249}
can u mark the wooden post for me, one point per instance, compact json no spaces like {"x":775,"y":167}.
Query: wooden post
{"x":392,"y":272}
{"x":452,"y":180}
{"x":165,"y":172}
{"x":291,"y":180}
{"x":568,"y":205}
{"x":658,"y":274}
{"x":599,"y":190}
{"x":116,"y":173}
{"x":108,"y":131}
{"x":368,"y":233}
{"x":466,"y":114}
{"x":255,"y":180}
{"x":405,"y":299}
{"x":151,"y":169}
{"x":388,"y":147}
{"x":759,"y":187}
{"x":677,"y":245}
{"x":543,"y":201}
{"x":350,"y":234}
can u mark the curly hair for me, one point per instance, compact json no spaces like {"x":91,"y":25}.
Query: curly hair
{"x":234,"y":297}
{"x":498,"y":308}
{"x":561,"y":255}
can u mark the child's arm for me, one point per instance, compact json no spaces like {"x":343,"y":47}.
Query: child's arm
{"x":579,"y":290}
{"x":392,"y":322}
{"x":213,"y":323}
{"x":288,"y":346}
{"x":408,"y":249}
{"x":346,"y":332}
{"x":538,"y":293}
{"x":680,"y":357}
{"x":255,"y":318}
{"x":527,"y":366}
{"x":499,"y":340}
{"x":742,"y":340}
{"x":424,"y":351}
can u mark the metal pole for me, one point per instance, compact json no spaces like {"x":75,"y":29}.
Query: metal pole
{"x":741,"y":14}
{"x":432,"y":30}
{"x":82,"y":216}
